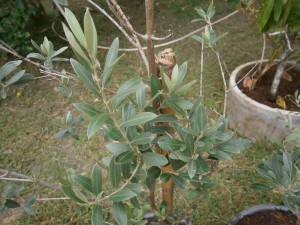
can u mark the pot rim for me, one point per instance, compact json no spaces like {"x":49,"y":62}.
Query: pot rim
{"x":255,"y":209}
{"x":234,"y":88}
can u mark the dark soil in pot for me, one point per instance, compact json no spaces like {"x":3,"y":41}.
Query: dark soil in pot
{"x":261,"y":92}
{"x":269,"y":218}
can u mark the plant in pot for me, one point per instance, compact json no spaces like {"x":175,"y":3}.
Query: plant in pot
{"x":280,"y":175}
{"x":275,"y":80}
{"x":152,"y":134}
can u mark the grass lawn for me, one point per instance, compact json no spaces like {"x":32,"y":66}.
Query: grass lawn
{"x":28,"y":123}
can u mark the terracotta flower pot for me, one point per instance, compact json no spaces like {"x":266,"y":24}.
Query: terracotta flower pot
{"x":253,"y":120}
{"x":265,"y":214}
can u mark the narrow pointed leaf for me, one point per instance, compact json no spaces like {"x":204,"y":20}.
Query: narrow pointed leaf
{"x":36,"y":56}
{"x":69,"y":192}
{"x":154,"y":159}
{"x":90,"y":34}
{"x":16,"y":77}
{"x":181,"y":74}
{"x":85,"y":76}
{"x":110,"y":60}
{"x":83,"y":182}
{"x":81,"y":196}
{"x":138,"y":119}
{"x":59,"y":51}
{"x":8,"y":68}
{"x":87,"y":109}
{"x":141,"y":97}
{"x":192,"y":168}
{"x":114,"y":173}
{"x":95,"y":124}
{"x":96,"y":179}
{"x":122,"y":195}
{"x":119,"y":213}
{"x":142,"y":139}
{"x":127,"y":89}
{"x":75,"y":27}
{"x":97,"y":215}
{"x":11,"y":204}
{"x":76,"y":47}
{"x":117,"y":148}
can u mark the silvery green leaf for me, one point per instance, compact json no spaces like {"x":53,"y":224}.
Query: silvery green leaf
{"x":221,"y":36}
{"x":141,"y":97}
{"x":8,"y":68}
{"x":167,"y":83}
{"x":87,"y":109}
{"x":75,"y":27}
{"x":122,"y":195}
{"x":36,"y":46}
{"x":90,"y":34}
{"x":114,"y":173}
{"x":83,"y":181}
{"x":3,"y":93}
{"x":201,"y":12}
{"x":119,"y":213}
{"x":220,"y":155}
{"x":110,"y":60}
{"x":95,"y":124}
{"x":138,"y":119}
{"x":175,"y":75}
{"x":142,"y":139}
{"x":76,"y":47}
{"x":192,"y":168}
{"x":181,"y":74}
{"x":48,"y":64}
{"x":261,"y":187}
{"x":16,"y":77}
{"x":164,"y":118}
{"x":288,"y":165}
{"x":198,"y":38}
{"x":179,"y":181}
{"x":69,"y":192}
{"x":59,"y":51}
{"x":126,"y":89}
{"x":62,"y":133}
{"x":117,"y":148}
{"x":154,"y":159}
{"x":96,"y":178}
{"x":29,"y":201}
{"x":61,"y":2}
{"x":36,"y":56}
{"x":97,"y":215}
{"x":85,"y":76}
{"x":185,"y":87}
{"x":125,"y":157}
{"x":172,"y":102}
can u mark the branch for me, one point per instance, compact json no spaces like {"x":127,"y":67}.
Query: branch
{"x":23,"y":178}
{"x":133,"y":42}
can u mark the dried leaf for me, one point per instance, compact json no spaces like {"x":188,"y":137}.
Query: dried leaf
{"x":249,"y":82}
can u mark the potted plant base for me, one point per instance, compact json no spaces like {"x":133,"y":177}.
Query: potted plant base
{"x":252,"y":119}
{"x":265,"y":215}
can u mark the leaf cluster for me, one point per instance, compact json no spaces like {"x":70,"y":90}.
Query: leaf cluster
{"x":281,"y":173}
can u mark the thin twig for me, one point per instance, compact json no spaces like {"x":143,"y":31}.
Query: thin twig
{"x":51,"y":199}
{"x":134,"y":42}
{"x":263,"y":52}
{"x":16,"y":179}
{"x":59,"y":9}
{"x":201,"y":70}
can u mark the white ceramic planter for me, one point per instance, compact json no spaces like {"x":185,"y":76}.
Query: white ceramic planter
{"x":253,"y":120}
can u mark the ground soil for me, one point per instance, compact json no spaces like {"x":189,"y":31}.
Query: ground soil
{"x":261,"y":92}
{"x":269,"y":218}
